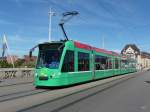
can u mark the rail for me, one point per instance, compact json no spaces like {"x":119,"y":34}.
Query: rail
{"x":9,"y":73}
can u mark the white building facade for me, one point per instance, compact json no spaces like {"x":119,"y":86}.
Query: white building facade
{"x":142,"y":58}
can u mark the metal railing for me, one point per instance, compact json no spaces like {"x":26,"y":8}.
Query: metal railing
{"x":9,"y":73}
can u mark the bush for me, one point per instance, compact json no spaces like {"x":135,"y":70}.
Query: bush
{"x":19,"y":62}
{"x":5,"y":64}
{"x":30,"y":64}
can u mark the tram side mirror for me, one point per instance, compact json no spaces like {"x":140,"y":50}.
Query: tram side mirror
{"x":31,"y":50}
{"x":30,"y":54}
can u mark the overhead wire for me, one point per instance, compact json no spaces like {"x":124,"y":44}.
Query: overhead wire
{"x":103,"y":4}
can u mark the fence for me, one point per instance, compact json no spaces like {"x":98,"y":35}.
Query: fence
{"x":8,"y":73}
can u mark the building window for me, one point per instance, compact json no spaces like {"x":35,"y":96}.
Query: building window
{"x":68,"y":64}
{"x":101,"y":62}
{"x":83,"y":61}
{"x":124,"y":64}
{"x":116,"y":63}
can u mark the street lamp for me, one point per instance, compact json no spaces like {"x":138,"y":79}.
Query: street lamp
{"x":50,"y":14}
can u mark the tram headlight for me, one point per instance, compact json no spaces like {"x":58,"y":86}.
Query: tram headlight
{"x":53,"y":75}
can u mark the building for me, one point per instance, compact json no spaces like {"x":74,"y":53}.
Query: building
{"x":145,"y":59}
{"x":11,"y":58}
{"x":27,"y":58}
{"x":133,"y":52}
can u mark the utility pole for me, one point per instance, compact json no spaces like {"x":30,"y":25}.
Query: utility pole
{"x":50,"y":14}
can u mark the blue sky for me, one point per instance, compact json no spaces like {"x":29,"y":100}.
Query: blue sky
{"x":119,"y":22}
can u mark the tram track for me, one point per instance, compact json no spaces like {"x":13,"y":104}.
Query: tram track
{"x":21,"y":94}
{"x":88,"y":96}
{"x":102,"y":87}
{"x":14,"y":93}
{"x":16,"y":84}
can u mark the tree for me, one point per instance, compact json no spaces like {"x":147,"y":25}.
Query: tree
{"x":30,"y":64}
{"x":19,"y":62}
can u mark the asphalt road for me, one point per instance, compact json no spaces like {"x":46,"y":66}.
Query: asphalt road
{"x":130,"y":95}
{"x":11,"y":86}
{"x":126,"y":93}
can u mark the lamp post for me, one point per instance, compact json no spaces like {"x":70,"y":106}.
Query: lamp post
{"x":50,"y":14}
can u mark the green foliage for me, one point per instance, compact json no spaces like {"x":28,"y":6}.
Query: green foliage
{"x":5,"y":64}
{"x":18,"y":64}
{"x":30,"y":64}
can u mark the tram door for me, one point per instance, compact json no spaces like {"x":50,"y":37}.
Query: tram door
{"x":93,"y":65}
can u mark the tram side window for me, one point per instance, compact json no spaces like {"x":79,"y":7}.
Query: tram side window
{"x":68,"y":64}
{"x":116,"y":63}
{"x":83,"y":61}
{"x":101,"y":62}
{"x":109,"y":63}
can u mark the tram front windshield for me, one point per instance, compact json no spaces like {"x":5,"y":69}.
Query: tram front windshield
{"x":49,"y":58}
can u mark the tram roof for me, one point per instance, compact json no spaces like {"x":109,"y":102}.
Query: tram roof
{"x":85,"y":46}
{"x":88,"y":47}
{"x":52,"y":42}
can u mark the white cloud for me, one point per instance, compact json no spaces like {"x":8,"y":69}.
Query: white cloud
{"x":126,"y":6}
{"x":19,"y":42}
{"x":16,"y":39}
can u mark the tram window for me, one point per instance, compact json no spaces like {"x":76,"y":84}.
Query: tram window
{"x":109,"y":63}
{"x":83,"y":61}
{"x":49,"y":59}
{"x":68,"y":64}
{"x":101,"y":62}
{"x":116,"y":63}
